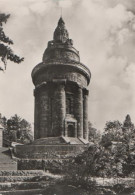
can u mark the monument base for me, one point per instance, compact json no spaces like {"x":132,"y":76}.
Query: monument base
{"x":49,"y":150}
{"x":51,"y":147}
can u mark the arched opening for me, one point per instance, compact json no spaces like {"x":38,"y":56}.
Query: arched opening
{"x":71,"y":130}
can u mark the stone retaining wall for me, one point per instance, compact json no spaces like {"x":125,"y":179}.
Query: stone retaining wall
{"x":52,"y":165}
{"x":42,"y":151}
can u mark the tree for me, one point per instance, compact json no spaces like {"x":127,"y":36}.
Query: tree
{"x":3,"y":122}
{"x":127,"y":124}
{"x":20,"y":127}
{"x":25,"y":131}
{"x":118,"y":139}
{"x":14,"y":123}
{"x":94,"y":134}
{"x":128,"y":130}
{"x":113,"y":126}
{"x":113,"y":132}
{"x":25,"y":125}
{"x":6,"y":53}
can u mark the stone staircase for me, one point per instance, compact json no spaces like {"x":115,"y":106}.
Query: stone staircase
{"x":24,"y":182}
{"x":54,"y":151}
{"x":50,"y":147}
{"x":75,"y":141}
{"x":49,"y":141}
{"x":6,"y":162}
{"x":58,"y":141}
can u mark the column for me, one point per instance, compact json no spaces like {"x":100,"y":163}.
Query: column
{"x":43,"y":113}
{"x":60,"y":109}
{"x":85,"y":114}
{"x":66,"y":132}
{"x":36,"y":115}
{"x":79,"y":112}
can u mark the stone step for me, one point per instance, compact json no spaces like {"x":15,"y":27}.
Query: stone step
{"x":22,"y":173}
{"x":49,"y":141}
{"x":48,"y":164}
{"x":15,"y":178}
{"x":31,"y":151}
{"x":11,"y":186}
{"x":17,"y":185}
{"x":24,"y":178}
{"x":60,"y":155}
{"x":74,"y":140}
{"x":6,"y":162}
{"x":8,"y":166}
{"x":23,"y":192}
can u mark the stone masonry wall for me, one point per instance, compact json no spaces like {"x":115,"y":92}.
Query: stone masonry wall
{"x":64,"y":72}
{"x":46,"y":151}
{"x":50,"y":102}
{"x":50,"y":109}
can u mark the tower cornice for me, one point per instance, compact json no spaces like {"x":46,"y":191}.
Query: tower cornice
{"x":55,"y":64}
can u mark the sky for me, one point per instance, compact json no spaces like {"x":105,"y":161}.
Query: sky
{"x":104,"y":33}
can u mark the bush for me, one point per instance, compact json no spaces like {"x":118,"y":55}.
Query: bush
{"x":122,"y":189}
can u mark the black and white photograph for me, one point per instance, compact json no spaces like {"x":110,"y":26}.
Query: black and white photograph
{"x":67,"y":97}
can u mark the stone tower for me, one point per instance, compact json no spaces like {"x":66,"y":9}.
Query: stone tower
{"x":61,"y":94}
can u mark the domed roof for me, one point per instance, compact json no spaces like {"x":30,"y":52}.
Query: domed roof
{"x":61,"y":47}
{"x":60,"y":53}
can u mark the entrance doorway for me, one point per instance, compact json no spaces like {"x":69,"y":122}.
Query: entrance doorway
{"x":71,"y":130}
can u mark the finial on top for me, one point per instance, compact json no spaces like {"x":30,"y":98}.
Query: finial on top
{"x":61,"y":21}
{"x":61,"y":33}
{"x":61,"y":12}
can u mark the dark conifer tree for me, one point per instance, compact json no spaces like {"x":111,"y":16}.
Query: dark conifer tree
{"x":127,"y":123}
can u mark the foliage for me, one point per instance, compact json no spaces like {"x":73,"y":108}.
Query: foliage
{"x":122,"y":189}
{"x":84,"y":164}
{"x":116,"y":132}
{"x":128,"y":130}
{"x":113,"y":132}
{"x":119,"y":140}
{"x":3,"y":122}
{"x":14,"y":123}
{"x":6,"y":53}
{"x":77,"y":175}
{"x":127,"y":124}
{"x":113,"y":126}
{"x":94,"y":134}
{"x":18,"y":130}
{"x":113,"y":156}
